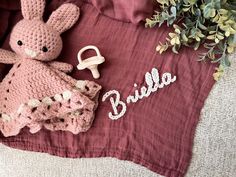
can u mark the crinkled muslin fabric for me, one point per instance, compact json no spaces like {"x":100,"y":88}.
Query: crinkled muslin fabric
{"x":156,"y":132}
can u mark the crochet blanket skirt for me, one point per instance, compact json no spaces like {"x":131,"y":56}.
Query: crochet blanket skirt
{"x":36,"y":95}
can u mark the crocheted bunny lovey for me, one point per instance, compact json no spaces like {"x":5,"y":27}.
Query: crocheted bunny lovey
{"x":37,"y":92}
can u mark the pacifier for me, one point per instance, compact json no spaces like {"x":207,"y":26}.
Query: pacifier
{"x":92,"y":62}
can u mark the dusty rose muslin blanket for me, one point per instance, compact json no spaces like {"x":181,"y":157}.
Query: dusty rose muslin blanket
{"x":157,"y":130}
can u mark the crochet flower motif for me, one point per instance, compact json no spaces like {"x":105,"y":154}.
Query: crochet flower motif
{"x":37,"y":92}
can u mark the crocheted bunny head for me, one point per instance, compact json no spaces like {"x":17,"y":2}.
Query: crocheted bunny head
{"x":32,"y":38}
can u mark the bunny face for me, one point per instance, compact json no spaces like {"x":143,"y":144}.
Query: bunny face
{"x":35,"y":39}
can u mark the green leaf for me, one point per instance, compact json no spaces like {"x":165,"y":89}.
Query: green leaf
{"x":201,"y":26}
{"x":186,"y":9}
{"x":209,"y":11}
{"x":175,"y":49}
{"x":225,"y":61}
{"x":198,"y":12}
{"x":217,"y":4}
{"x":184,"y":37}
{"x":150,"y":23}
{"x":221,"y":46}
{"x":196,"y":45}
{"x":173,"y":11}
{"x":211,"y":37}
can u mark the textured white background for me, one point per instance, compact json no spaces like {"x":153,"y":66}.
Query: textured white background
{"x":214,"y":152}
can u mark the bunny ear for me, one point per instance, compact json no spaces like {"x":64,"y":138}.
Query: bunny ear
{"x":32,"y":9}
{"x":64,"y":17}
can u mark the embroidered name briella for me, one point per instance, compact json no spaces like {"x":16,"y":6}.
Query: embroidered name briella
{"x":153,"y":83}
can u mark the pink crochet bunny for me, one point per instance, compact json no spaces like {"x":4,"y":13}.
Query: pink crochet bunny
{"x":37,"y":92}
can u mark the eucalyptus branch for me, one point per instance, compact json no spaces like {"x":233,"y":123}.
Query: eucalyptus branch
{"x":208,"y":22}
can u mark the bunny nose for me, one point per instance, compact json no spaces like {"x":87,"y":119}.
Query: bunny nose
{"x":30,"y":53}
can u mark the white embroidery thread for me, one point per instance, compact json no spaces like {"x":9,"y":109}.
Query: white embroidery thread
{"x":115,"y":104}
{"x":153,"y":84}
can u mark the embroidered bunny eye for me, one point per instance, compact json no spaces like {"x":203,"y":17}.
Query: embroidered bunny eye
{"x":44,"y":49}
{"x":20,"y":43}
